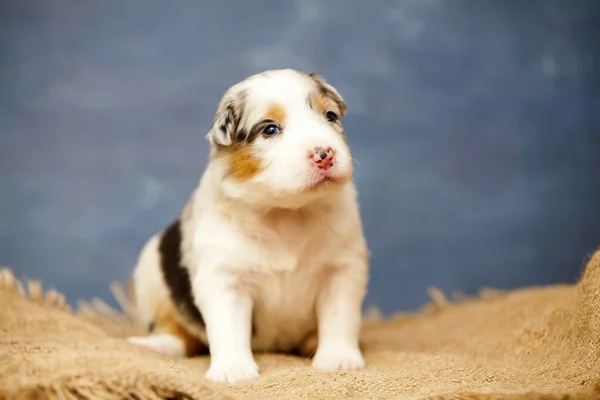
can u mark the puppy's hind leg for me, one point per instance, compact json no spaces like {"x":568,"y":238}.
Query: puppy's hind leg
{"x":169,"y":337}
{"x":163,"y":343}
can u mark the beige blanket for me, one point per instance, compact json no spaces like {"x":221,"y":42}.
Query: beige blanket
{"x":534,"y":343}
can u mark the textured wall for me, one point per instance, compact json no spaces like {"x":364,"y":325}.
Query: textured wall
{"x":476,"y":125}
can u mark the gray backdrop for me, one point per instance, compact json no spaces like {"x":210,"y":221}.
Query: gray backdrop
{"x":475,"y":123}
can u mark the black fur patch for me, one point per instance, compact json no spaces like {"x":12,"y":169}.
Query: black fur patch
{"x":257,"y":130}
{"x":176,"y":275}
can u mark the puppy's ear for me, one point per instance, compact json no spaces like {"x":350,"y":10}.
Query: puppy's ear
{"x":227,"y":121}
{"x":223,"y":128}
{"x":327,"y":90}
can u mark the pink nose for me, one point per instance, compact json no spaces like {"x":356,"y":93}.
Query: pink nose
{"x":322,"y":158}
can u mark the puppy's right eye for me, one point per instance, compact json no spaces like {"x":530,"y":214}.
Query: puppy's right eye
{"x":271,"y":130}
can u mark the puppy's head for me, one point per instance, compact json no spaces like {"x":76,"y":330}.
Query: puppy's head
{"x":279,"y":141}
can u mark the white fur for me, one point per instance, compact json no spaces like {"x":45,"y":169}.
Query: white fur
{"x":269,"y":248}
{"x":150,"y":286}
{"x":162,"y":343}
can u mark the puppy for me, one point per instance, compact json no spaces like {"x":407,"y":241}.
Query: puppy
{"x":269,"y":253}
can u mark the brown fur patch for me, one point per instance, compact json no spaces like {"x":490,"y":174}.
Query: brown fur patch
{"x":243,"y":165}
{"x":276,"y":113}
{"x":165,"y":321}
{"x":320,"y":103}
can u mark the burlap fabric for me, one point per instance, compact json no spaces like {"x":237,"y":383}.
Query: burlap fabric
{"x":534,"y":343}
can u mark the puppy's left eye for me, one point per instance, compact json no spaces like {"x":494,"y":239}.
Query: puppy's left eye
{"x":330,"y":116}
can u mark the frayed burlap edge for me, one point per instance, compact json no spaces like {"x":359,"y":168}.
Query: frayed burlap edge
{"x":79,"y":390}
{"x":589,"y":394}
{"x":105,"y":317}
{"x":124,"y":322}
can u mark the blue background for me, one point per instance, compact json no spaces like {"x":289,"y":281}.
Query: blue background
{"x":476,"y":125}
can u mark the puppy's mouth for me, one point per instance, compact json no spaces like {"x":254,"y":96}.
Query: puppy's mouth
{"x":320,"y":183}
{"x":323,"y":181}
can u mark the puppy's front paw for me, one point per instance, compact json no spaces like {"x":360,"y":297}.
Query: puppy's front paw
{"x":232,"y":371}
{"x":338,"y":358}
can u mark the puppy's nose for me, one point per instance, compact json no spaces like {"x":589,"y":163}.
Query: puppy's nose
{"x":322,"y":158}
